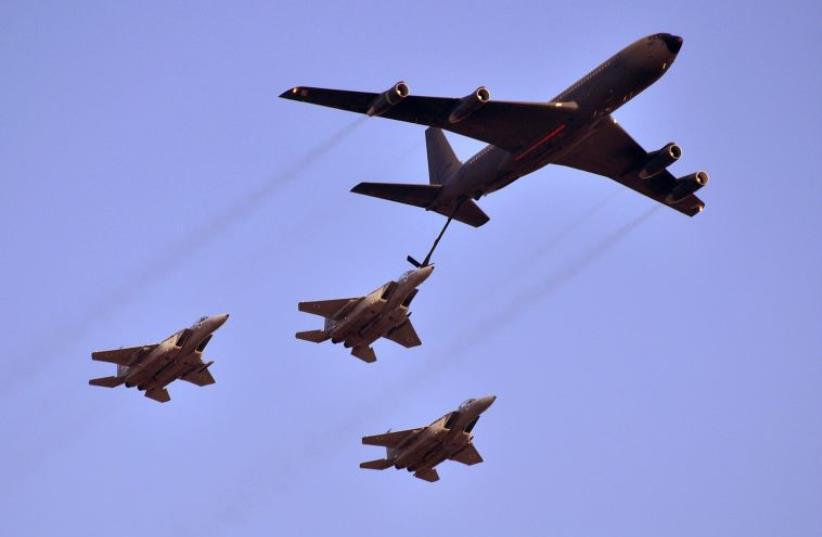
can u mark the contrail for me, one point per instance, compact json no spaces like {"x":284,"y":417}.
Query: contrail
{"x":568,"y":229}
{"x":250,"y":497}
{"x":171,"y":257}
{"x":531,"y":296}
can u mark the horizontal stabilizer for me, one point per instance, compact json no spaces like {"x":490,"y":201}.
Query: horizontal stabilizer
{"x":159,"y":394}
{"x":366,"y":354}
{"x":107,"y":382}
{"x":315,"y":336}
{"x":416,"y":195}
{"x":379,"y":464}
{"x":428,"y":474}
{"x":468,"y":213}
{"x":423,"y":196}
{"x":327,"y":308}
{"x":127,"y":356}
{"x":389,"y":439}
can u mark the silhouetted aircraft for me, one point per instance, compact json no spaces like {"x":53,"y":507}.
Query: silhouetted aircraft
{"x":573,"y":129}
{"x":153,"y":367}
{"x":358,"y":322}
{"x":420,"y":450}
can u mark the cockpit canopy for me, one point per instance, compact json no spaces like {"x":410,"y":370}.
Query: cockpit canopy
{"x":465,"y":404}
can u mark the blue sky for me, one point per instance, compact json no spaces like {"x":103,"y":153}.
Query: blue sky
{"x":655,"y":374}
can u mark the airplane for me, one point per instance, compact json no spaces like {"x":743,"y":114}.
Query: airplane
{"x":358,"y":322}
{"x":152,"y":367}
{"x":574,"y":129}
{"x":420,"y":450}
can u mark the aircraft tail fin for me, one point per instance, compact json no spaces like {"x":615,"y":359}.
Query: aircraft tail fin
{"x":378,"y":464}
{"x":158,"y":394}
{"x":427,"y":474}
{"x":107,"y":382}
{"x":315,"y":336}
{"x":442,"y":162}
{"x":364,"y":353}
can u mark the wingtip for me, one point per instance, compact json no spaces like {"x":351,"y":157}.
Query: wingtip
{"x":291,"y":93}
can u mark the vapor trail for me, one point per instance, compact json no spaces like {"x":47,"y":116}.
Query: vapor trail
{"x":531,"y":296}
{"x":568,"y":229}
{"x":170,"y":259}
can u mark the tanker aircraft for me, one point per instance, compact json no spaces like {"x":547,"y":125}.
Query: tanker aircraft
{"x":573,"y":129}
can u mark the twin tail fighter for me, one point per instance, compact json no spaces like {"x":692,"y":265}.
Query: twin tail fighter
{"x":359,"y":322}
{"x":153,"y":367}
{"x":421,"y":450}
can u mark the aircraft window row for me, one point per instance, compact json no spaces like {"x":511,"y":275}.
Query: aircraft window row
{"x":585,"y":79}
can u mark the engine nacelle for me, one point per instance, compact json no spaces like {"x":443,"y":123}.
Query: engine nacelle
{"x":388,"y":99}
{"x":686,"y":186}
{"x":659,"y":160}
{"x":469,"y":104}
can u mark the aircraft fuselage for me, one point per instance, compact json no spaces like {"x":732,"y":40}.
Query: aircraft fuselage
{"x":442,"y":439}
{"x":176,"y":356}
{"x":597,"y":94}
{"x":377,"y":314}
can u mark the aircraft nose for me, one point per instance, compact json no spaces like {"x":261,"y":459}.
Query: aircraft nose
{"x":219,"y":320}
{"x":484,"y":402}
{"x":425,"y":272}
{"x":673,"y":42}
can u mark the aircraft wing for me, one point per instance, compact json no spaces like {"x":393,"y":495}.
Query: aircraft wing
{"x":468,"y":455}
{"x":328,"y":308}
{"x":127,"y":357}
{"x":405,"y":335}
{"x":390,"y":439}
{"x":200,"y":377}
{"x":610,"y":151}
{"x":512,"y":126}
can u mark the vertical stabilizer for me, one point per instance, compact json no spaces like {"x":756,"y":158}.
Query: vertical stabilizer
{"x":442,"y":162}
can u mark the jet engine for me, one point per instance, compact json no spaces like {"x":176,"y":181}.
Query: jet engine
{"x":687,"y":185}
{"x":469,"y":104}
{"x":659,"y":160}
{"x":388,"y":99}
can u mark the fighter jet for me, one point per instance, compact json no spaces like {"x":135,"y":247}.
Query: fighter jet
{"x":358,"y":322}
{"x":152,"y":367}
{"x":420,"y":450}
{"x":573,"y":129}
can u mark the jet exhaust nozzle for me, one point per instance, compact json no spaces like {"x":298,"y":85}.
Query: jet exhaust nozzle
{"x":686,"y":186}
{"x":388,"y":99}
{"x":469,"y":104}
{"x":660,"y":160}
